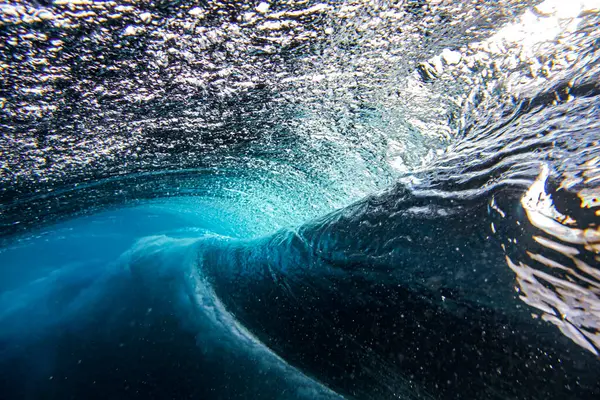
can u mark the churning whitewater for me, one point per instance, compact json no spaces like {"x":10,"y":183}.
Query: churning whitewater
{"x":300,"y":200}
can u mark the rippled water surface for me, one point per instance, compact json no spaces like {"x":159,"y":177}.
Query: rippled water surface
{"x":300,"y":199}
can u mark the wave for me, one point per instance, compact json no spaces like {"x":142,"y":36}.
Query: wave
{"x":307,"y":200}
{"x":152,"y":298}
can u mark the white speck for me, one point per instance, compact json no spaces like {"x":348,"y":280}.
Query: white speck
{"x":45,"y":15}
{"x":311,"y":10}
{"x":146,"y":17}
{"x":271,"y":26}
{"x":9,"y":10}
{"x":197,"y":12}
{"x":451,"y":57}
{"x":262,"y":7}
{"x":328,"y":31}
{"x":132,"y":30}
{"x":120,"y":8}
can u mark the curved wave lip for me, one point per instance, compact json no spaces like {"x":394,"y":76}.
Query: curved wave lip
{"x":139,"y":309}
{"x":300,"y":200}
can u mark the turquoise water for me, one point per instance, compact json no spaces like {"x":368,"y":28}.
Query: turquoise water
{"x":113,"y":301}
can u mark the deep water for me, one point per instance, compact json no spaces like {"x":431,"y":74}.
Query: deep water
{"x":300,"y":200}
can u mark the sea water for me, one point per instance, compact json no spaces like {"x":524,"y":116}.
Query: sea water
{"x":302,"y":200}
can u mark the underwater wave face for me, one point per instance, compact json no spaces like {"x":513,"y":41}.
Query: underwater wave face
{"x":303,"y":200}
{"x":228,"y":86}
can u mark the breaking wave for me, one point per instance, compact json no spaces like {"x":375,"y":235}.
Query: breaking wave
{"x":300,"y":200}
